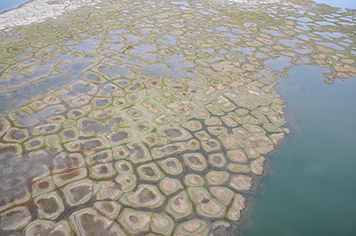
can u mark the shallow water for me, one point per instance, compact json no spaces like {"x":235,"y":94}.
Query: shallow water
{"x":311,"y":190}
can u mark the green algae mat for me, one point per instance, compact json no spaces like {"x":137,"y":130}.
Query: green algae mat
{"x":152,"y":118}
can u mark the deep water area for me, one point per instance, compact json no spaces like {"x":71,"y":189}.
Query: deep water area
{"x":311,"y":189}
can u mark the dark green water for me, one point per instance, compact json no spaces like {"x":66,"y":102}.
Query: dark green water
{"x":312,"y":190}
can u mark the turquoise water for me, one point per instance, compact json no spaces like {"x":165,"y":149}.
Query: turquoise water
{"x":312,"y":188}
{"x":9,"y":4}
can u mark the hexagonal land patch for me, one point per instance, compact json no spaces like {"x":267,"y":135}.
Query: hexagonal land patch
{"x":171,"y":166}
{"x":124,"y":167}
{"x":121,"y":152}
{"x":217,"y":130}
{"x":109,"y":190}
{"x":34,"y":143}
{"x":176,"y":134}
{"x":169,"y":185}
{"x":192,"y":227}
{"x":88,"y":221}
{"x":241,"y":132}
{"x":217,"y":160}
{"x":257,"y":165}
{"x":223,"y":194}
{"x":211,"y":209}
{"x":192,"y":125}
{"x":261,"y":143}
{"x":16,"y":135}
{"x":126,"y":182}
{"x":78,"y":192}
{"x":210,"y":145}
{"x":102,"y":171}
{"x":199,"y":195}
{"x":120,"y":136}
{"x":102,"y":113}
{"x":4,"y":125}
{"x":110,"y":209}
{"x":135,"y":222}
{"x":238,"y":168}
{"x":43,"y":186}
{"x":179,"y":206}
{"x":169,"y":149}
{"x":46,"y":227}
{"x":69,"y":176}
{"x":237,"y":155}
{"x":99,"y":157}
{"x":217,"y":177}
{"x":162,"y":224}
{"x":49,"y":206}
{"x":196,"y":161}
{"x":193,"y":144}
{"x":239,"y":204}
{"x":46,"y":129}
{"x":138,"y":153}
{"x":241,"y":182}
{"x":92,"y":126}
{"x":145,"y":196}
{"x":64,"y":162}
{"x":193,"y":180}
{"x":69,"y":134}
{"x":87,"y":145}
{"x":149,"y":172}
